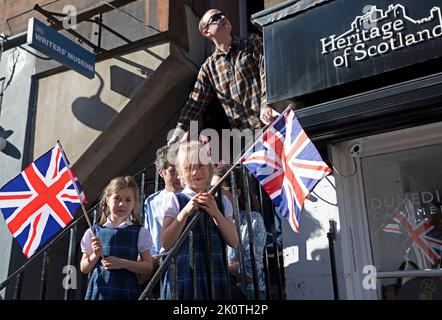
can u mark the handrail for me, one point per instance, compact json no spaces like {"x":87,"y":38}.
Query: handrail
{"x":169,"y":255}
{"x":163,"y":266}
{"x":45,"y":247}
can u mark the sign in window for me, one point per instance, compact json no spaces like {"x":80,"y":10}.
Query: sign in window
{"x":403,"y":194}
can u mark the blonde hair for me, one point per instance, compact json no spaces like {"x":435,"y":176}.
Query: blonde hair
{"x":202,"y":25}
{"x":117,"y":184}
{"x":193,"y":153}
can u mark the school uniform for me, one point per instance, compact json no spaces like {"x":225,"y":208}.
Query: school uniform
{"x":194,"y":284}
{"x":125,"y":241}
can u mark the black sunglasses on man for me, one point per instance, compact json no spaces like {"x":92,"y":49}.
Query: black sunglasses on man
{"x":214,"y":18}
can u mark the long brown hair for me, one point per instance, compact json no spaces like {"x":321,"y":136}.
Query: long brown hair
{"x":117,"y":184}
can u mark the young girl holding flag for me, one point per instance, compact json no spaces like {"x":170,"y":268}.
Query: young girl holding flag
{"x":195,"y":168}
{"x":120,"y":240}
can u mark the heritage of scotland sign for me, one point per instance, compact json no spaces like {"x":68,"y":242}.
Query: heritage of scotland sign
{"x":341,"y":41}
{"x":379,"y":33}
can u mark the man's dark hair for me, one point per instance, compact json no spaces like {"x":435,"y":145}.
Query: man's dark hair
{"x":165,"y":156}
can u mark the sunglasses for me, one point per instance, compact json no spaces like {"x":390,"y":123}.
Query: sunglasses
{"x":214,"y":18}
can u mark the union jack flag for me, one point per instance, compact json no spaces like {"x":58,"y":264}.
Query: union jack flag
{"x":288,"y":166}
{"x":41,"y":200}
{"x":421,"y":234}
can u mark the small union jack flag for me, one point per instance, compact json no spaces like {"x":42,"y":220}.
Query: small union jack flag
{"x":41,"y":200}
{"x":421,"y":234}
{"x":288,"y":166}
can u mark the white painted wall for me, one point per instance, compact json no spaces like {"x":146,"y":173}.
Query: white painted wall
{"x":306,"y":254}
{"x":13,"y":120}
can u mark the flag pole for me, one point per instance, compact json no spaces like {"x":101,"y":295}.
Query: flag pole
{"x":78,"y":191}
{"x":75,"y":185}
{"x":247,"y":151}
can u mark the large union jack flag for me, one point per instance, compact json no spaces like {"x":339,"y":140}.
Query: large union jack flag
{"x":41,"y":200}
{"x":288,"y":166}
{"x":421,"y":235}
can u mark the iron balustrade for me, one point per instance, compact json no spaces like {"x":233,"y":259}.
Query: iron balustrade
{"x":155,"y":183}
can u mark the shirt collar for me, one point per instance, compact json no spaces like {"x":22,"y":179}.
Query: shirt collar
{"x":109,"y":223}
{"x":189,"y":192}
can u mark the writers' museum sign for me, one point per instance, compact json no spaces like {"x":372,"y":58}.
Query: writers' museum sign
{"x":58,"y":47}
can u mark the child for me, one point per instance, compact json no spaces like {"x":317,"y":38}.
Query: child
{"x":195,"y":168}
{"x":120,"y":238}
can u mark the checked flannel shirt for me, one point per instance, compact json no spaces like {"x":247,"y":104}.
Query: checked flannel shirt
{"x":237,"y":78}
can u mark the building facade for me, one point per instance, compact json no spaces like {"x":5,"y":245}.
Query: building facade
{"x":365,"y":80}
{"x":147,"y":54}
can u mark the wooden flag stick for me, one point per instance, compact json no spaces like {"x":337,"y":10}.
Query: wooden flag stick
{"x":238,"y":161}
{"x":78,"y":192}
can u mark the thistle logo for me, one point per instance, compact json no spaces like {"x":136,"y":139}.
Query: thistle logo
{"x":379,"y":32}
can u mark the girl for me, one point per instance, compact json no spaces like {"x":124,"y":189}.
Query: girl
{"x":195,"y":168}
{"x":120,"y":238}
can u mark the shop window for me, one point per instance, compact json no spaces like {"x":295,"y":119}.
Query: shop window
{"x":403,"y":197}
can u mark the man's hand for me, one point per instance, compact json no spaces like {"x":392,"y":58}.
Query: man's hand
{"x":173,"y":139}
{"x":267,"y":115}
{"x":178,"y":135}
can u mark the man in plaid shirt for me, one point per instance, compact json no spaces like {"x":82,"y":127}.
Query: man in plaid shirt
{"x":234,"y":73}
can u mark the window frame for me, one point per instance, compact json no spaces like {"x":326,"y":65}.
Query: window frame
{"x":354,"y":240}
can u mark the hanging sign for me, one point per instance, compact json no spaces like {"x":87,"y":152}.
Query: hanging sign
{"x":58,"y":47}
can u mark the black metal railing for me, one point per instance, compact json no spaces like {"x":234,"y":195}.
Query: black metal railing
{"x":150,"y":182}
{"x":187,"y":233}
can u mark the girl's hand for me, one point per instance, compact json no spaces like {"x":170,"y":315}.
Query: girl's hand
{"x":113,"y":263}
{"x":96,"y":246}
{"x":191,"y":206}
{"x":207,"y":202}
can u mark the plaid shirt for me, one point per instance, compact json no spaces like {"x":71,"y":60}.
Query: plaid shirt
{"x":237,"y":79}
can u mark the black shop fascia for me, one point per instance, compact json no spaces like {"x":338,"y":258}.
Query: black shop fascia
{"x":352,"y":68}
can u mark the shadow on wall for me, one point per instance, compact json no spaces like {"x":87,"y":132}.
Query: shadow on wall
{"x":93,"y":112}
{"x":10,"y":149}
{"x":97,"y":115}
{"x":310,"y":270}
{"x":125,"y":82}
